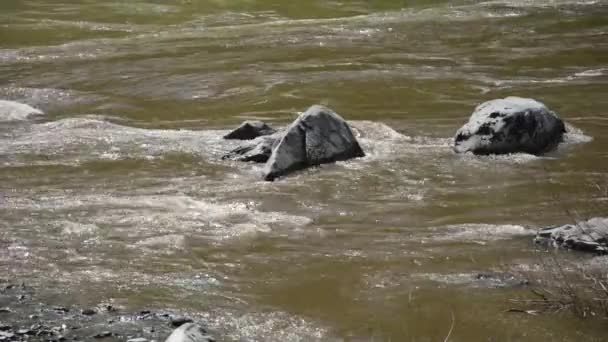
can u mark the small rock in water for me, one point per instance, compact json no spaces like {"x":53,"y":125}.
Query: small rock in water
{"x":23,"y":331}
{"x":61,"y":309}
{"x":190,"y":332}
{"x":180,"y":320}
{"x":510,"y":125}
{"x":89,"y":312}
{"x":103,"y":334}
{"x":5,"y":310}
{"x":249,"y":130}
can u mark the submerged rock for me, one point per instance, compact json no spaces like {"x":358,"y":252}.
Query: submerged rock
{"x":190,"y":332}
{"x":510,"y":125}
{"x":249,"y":130}
{"x":316,"y":137}
{"x":15,"y":111}
{"x":588,"y":236}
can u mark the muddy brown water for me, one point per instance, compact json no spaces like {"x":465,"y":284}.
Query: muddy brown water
{"x":118,"y":193}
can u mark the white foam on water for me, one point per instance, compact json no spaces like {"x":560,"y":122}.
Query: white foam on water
{"x":478,"y":232}
{"x":78,"y":140}
{"x":15,"y":111}
{"x":575,"y":135}
{"x":71,"y":228}
{"x":169,"y":241}
{"x":592,"y":73}
{"x":267,"y":326}
{"x":169,"y":216}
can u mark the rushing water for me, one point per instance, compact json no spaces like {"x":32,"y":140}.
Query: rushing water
{"x":118,"y":193}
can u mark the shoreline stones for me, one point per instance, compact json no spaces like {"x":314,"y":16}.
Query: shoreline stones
{"x":316,"y":137}
{"x":587,"y":236}
{"x":34,"y":320}
{"x":510,"y":125}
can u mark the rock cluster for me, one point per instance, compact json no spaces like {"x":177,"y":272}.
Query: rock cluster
{"x":316,"y":137}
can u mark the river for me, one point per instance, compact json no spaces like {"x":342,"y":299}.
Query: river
{"x":119,"y":194}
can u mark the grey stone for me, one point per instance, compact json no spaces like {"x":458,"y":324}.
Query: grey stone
{"x":250,"y":130}
{"x":588,"y":236}
{"x":258,"y":150}
{"x":510,"y":125}
{"x":316,"y":137}
{"x":190,"y":332}
{"x":89,"y":312}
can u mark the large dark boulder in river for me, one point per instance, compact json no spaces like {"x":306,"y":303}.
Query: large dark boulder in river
{"x":249,"y":130}
{"x":318,"y":136}
{"x":588,"y":236}
{"x":190,"y":332}
{"x":510,"y":125}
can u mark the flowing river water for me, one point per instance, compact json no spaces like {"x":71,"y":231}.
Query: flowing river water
{"x":118,"y":193}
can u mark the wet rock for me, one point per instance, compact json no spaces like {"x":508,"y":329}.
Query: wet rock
{"x":249,"y":130}
{"x":5,"y":310}
{"x":258,"y":151}
{"x":6,"y":335}
{"x":61,"y":309}
{"x":5,"y":327}
{"x":587,"y":236}
{"x":15,"y":111}
{"x":180,"y":320}
{"x":103,"y":334}
{"x":317,"y":137}
{"x":190,"y":332}
{"x":24,"y":332}
{"x":89,"y":312}
{"x":510,"y":125}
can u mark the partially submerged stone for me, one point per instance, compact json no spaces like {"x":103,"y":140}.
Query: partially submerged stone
{"x":190,"y":332}
{"x":316,"y":137}
{"x":587,"y":236}
{"x":510,"y":125}
{"x":249,"y":130}
{"x":258,"y":150}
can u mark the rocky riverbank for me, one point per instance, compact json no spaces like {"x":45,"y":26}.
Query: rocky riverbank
{"x":24,"y":317}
